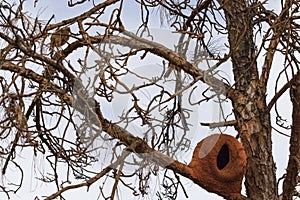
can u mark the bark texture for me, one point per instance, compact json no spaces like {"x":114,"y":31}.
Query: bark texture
{"x":291,"y":181}
{"x":250,"y":103}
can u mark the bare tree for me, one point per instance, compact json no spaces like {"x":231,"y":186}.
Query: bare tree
{"x":59,"y":79}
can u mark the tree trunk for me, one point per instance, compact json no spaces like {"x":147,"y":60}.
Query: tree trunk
{"x":250,"y":103}
{"x":291,"y":181}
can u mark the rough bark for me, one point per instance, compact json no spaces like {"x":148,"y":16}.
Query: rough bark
{"x":290,"y":181}
{"x":250,"y":104}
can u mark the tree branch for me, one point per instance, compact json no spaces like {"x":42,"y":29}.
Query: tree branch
{"x":92,"y":180}
{"x":293,"y":167}
{"x":142,"y":44}
{"x":136,"y":144}
{"x":279,"y":26}
{"x":219,"y":124}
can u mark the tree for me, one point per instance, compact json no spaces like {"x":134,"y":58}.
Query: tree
{"x":54,"y":99}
